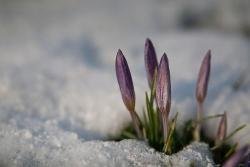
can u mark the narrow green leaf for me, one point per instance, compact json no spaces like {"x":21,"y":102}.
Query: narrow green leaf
{"x":145,"y":119}
{"x":156,"y":121}
{"x":152,"y":123}
{"x":145,"y":124}
{"x":209,"y":117}
{"x":235,"y":131}
{"x":129,"y":135}
{"x":167,"y":146}
{"x":231,"y":151}
{"x":229,"y":136}
{"x":150,"y":134}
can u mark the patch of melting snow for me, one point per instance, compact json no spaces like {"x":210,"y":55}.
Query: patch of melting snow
{"x":50,"y":106}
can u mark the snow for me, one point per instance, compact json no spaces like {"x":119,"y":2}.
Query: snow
{"x":87,"y":101}
{"x":58,"y":90}
{"x":93,"y":153}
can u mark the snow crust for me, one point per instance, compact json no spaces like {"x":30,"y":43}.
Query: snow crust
{"x":64,"y":152}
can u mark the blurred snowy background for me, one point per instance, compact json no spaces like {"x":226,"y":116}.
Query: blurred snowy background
{"x":57,"y":78}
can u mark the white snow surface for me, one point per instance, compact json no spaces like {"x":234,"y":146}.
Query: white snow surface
{"x":64,"y":152}
{"x":36,"y":87}
{"x":58,"y":88}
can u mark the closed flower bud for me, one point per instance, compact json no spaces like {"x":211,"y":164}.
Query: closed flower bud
{"x":222,"y":129}
{"x":237,"y":157}
{"x":163,"y":93}
{"x":163,"y":85}
{"x":125,"y":81}
{"x":203,"y":78}
{"x":150,"y":59}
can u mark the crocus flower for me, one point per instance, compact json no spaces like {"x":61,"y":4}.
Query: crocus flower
{"x":222,"y":129}
{"x":125,"y":81}
{"x":127,"y":90}
{"x":237,"y":157}
{"x":201,"y":90}
{"x":151,"y":62}
{"x":203,"y":78}
{"x":163,"y":92}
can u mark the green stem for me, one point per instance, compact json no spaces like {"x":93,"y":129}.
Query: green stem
{"x":197,"y":130}
{"x":137,"y":124}
{"x":164,"y":117}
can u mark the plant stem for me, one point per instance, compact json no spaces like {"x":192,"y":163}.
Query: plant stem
{"x":197,"y":130}
{"x":164,"y":116}
{"x":137,"y":124}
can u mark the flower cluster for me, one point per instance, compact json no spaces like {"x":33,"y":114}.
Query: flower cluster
{"x":157,"y":128}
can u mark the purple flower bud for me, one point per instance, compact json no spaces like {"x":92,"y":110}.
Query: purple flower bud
{"x":203,"y":78}
{"x":125,"y":81}
{"x":222,"y":130}
{"x":237,"y":157}
{"x":163,"y":85}
{"x":151,"y":62}
{"x":163,"y":92}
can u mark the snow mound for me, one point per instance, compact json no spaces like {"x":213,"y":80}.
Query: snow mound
{"x":32,"y":150}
